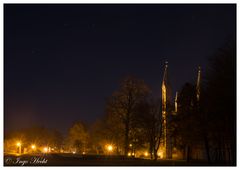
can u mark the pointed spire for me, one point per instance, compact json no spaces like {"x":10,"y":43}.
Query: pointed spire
{"x":164,"y":82}
{"x":198,"y":83}
{"x":176,"y":104}
{"x":165,"y":96}
{"x":165,"y":74}
{"x":166,"y":63}
{"x":164,"y":87}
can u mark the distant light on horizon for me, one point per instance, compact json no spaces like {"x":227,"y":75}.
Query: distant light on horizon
{"x":146,"y":153}
{"x":45,"y":149}
{"x":110,"y":148}
{"x":19,"y":144}
{"x":33,"y":146}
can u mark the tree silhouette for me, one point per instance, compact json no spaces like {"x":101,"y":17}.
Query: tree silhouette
{"x":123,"y":103}
{"x":149,"y":120}
{"x":220,"y":103}
{"x":78,"y":137}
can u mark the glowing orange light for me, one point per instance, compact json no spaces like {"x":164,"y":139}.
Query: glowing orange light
{"x":109,"y":148}
{"x":19,"y":144}
{"x":45,"y":149}
{"x":146,"y":153}
{"x":33,"y":146}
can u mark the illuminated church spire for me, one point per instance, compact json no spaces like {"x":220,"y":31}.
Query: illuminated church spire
{"x":164,"y":87}
{"x":165,"y":100}
{"x":198,"y":83}
{"x":175,"y":102}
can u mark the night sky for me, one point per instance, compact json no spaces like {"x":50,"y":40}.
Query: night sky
{"x":61,"y":62}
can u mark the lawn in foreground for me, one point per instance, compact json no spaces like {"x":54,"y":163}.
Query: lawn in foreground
{"x":91,"y":160}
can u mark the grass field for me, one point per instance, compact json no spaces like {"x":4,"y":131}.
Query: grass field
{"x":92,"y":160}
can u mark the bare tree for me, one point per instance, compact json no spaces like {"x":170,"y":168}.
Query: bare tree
{"x":78,"y":137}
{"x":150,"y":120}
{"x":220,"y":105}
{"x":123,"y":103}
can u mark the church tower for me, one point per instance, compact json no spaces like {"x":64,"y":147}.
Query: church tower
{"x":165,"y":146}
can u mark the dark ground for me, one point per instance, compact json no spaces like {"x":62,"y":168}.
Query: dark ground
{"x":93,"y":160}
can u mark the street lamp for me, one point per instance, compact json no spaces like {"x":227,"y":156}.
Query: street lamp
{"x":146,"y":153}
{"x":18,"y":144}
{"x":45,"y":149}
{"x":19,"y":147}
{"x":131,"y":147}
{"x":33,"y":147}
{"x":109,"y":148}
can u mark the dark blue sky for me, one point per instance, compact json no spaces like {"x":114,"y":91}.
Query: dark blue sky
{"x":62,"y":61}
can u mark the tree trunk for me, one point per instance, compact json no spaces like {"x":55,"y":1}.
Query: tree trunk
{"x":151,"y":146}
{"x":233,"y":153}
{"x":207,"y":148}
{"x":155,"y":155}
{"x":151,"y":149}
{"x":126,"y":138}
{"x":184,"y":152}
{"x":188,"y":153}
